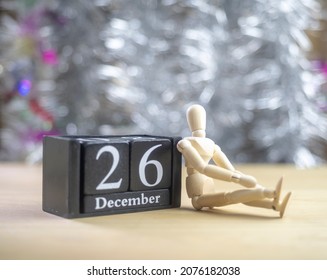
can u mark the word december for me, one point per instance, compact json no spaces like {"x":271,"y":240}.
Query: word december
{"x":102,"y":202}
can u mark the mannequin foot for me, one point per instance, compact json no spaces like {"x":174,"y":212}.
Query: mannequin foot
{"x":276,"y":204}
{"x":278,"y":190}
{"x":282,"y":206}
{"x":195,"y":203}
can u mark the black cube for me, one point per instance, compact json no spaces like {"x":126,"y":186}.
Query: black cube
{"x":99,"y":175}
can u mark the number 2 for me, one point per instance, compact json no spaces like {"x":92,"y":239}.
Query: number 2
{"x":114,"y":185}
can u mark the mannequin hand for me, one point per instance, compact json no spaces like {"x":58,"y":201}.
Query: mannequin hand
{"x":245,"y":180}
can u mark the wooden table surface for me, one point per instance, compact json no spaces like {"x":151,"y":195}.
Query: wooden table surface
{"x":233,"y":232}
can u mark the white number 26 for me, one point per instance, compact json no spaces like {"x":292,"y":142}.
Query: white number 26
{"x":104,"y":185}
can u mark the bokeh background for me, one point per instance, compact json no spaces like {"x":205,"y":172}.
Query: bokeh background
{"x":133,"y":67}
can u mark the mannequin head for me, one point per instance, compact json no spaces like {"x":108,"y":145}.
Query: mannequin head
{"x":196,"y":119}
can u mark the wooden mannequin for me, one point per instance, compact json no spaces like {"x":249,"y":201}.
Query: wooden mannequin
{"x":199,"y":150}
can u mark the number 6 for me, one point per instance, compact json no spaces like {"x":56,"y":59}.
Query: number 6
{"x":144,"y":163}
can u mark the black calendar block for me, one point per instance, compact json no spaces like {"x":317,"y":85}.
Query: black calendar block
{"x":106,"y":166}
{"x":146,"y":170}
{"x":89,"y":176}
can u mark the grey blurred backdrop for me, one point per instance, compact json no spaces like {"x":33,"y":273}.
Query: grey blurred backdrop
{"x":133,"y":67}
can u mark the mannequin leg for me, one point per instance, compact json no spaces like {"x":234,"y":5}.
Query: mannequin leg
{"x":222,"y":199}
{"x":274,"y":204}
{"x":265,"y":203}
{"x":271,"y":204}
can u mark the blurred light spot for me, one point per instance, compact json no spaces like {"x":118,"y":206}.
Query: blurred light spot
{"x":24,"y":87}
{"x":50,"y":57}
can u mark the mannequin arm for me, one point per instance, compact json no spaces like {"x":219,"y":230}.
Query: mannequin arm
{"x":221,"y":159}
{"x":195,"y":161}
